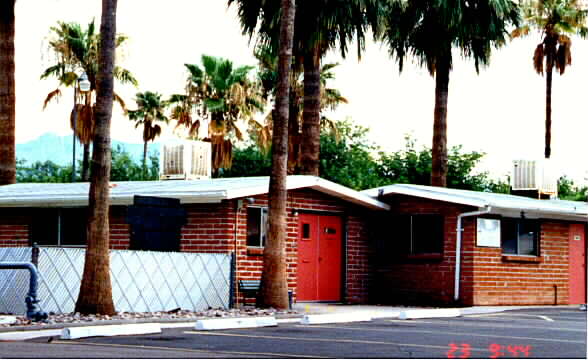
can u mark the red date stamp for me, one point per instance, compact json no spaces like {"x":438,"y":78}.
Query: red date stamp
{"x":464,"y":351}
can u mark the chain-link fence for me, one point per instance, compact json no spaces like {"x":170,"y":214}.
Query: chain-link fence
{"x":142,"y":281}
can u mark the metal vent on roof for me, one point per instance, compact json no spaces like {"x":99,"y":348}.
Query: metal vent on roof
{"x":186,"y":160}
{"x":534,"y":175}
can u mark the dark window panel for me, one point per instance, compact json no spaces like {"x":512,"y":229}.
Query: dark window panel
{"x":427,"y":234}
{"x":509,"y":230}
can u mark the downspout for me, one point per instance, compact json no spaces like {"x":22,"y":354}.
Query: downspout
{"x":31,"y":299}
{"x":458,"y":246}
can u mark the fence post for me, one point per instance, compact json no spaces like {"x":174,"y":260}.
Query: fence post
{"x":232,"y":281}
{"x":35,"y":255}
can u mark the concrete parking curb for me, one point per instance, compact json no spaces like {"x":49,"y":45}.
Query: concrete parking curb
{"x":109,"y":330}
{"x":7,"y":320}
{"x":335,"y":318}
{"x":429,"y":313}
{"x":235,"y":323}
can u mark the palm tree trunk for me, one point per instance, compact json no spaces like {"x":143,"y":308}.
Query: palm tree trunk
{"x":439,"y":148}
{"x":311,"y":115}
{"x":7,"y":94}
{"x":293,"y":134}
{"x":96,"y":289}
{"x":144,"y":169}
{"x":274,"y":284}
{"x":86,"y":163}
{"x":548,"y":84}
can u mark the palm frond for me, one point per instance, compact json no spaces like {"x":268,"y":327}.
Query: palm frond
{"x":120,"y":101}
{"x":53,"y":95}
{"x":125,"y":76}
{"x":538,"y":57}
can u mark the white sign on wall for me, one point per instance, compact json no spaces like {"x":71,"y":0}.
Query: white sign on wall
{"x":488,"y":233}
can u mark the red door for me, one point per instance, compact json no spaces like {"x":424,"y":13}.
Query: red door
{"x":319,"y":258}
{"x":577,"y":256}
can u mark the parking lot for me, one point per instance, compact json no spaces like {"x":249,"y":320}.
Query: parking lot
{"x":530,"y":333}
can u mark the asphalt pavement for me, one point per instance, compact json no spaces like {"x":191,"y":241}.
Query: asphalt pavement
{"x":526,"y":333}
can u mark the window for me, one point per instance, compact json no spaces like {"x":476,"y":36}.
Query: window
{"x":418,"y":234}
{"x":256,"y":226}
{"x":59,"y":227}
{"x":520,"y":236}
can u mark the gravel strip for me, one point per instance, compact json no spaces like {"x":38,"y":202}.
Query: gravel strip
{"x":165,"y":316}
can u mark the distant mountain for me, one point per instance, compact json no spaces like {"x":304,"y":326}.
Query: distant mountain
{"x":59,"y":149}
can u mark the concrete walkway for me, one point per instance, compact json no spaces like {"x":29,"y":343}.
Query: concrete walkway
{"x":382,"y":311}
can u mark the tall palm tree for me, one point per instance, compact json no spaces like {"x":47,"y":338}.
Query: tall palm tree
{"x":150,"y":109}
{"x":319,"y":26}
{"x":95,"y":295}
{"x":76,"y":51}
{"x":330,"y":99}
{"x":428,"y":30}
{"x":274,"y":284}
{"x":222,"y":95}
{"x":557,"y":20}
{"x":7,"y":94}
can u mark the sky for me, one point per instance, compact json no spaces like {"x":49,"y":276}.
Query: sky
{"x":500,"y":111}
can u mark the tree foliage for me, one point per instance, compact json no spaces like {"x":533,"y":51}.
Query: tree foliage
{"x":351,"y":160}
{"x":568,"y":190}
{"x":124,"y":168}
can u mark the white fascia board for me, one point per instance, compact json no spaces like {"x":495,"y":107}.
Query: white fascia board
{"x":532,"y":214}
{"x":353,"y":197}
{"x":422,"y":193}
{"x":246,"y":191}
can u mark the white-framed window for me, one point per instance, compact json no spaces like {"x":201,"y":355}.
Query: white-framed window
{"x":256,"y":226}
{"x":59,"y":227}
{"x":520,"y":236}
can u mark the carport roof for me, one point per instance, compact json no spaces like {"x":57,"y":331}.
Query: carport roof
{"x":499,"y":203}
{"x":188,"y":191}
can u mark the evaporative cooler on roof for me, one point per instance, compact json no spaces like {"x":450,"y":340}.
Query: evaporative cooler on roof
{"x":534,"y":175}
{"x":185,"y":160}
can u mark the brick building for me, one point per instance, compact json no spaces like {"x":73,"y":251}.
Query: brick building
{"x":327,"y":240}
{"x":395,"y":244}
{"x":514,"y":250}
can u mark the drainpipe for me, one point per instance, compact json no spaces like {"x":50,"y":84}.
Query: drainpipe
{"x":459,"y":229}
{"x":31,"y":299}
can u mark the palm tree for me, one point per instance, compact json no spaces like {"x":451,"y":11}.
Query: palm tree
{"x":222,"y":95}
{"x":7,"y":94}
{"x":150,"y":109}
{"x":76,"y":51}
{"x":320,"y":26}
{"x":95,"y":295}
{"x":330,"y":99}
{"x":274,"y":285}
{"x":555,"y":19}
{"x":428,"y":30}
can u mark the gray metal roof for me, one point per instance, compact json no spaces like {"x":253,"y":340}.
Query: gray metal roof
{"x":500,"y":203}
{"x":188,"y":191}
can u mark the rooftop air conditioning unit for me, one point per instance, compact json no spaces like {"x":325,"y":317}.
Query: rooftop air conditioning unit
{"x":186,"y":160}
{"x":534,"y":175}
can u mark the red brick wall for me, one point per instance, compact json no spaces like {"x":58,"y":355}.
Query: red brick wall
{"x":501,"y":280}
{"x":211,"y":228}
{"x":421,"y":279}
{"x":14,"y":228}
{"x":120,"y":231}
{"x":487,"y":277}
